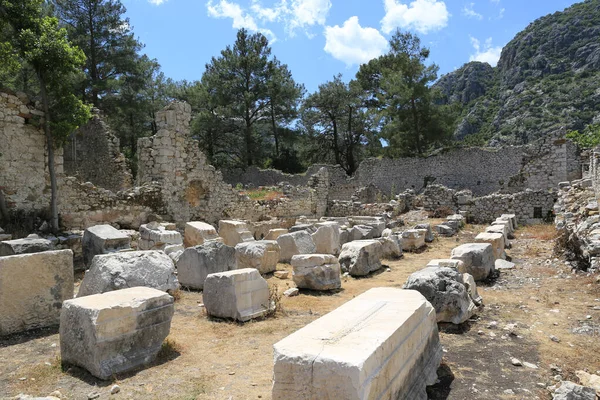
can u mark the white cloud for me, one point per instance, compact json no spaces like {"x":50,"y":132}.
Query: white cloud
{"x":269,"y":14}
{"x":353,"y":44}
{"x":306,"y":13}
{"x":501,"y":14}
{"x":241,"y":19}
{"x":157,"y":2}
{"x":421,"y":15}
{"x":486,"y":53}
{"x":470,"y":12}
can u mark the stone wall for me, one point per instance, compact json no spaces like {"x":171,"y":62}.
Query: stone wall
{"x":93,"y":154}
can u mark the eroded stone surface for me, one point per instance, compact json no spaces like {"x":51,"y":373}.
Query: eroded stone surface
{"x":24,"y":246}
{"x":197,"y":232}
{"x":234,"y":232}
{"x":316,"y":271}
{"x":496,"y":240}
{"x":383,"y":344}
{"x":261,"y":254}
{"x":115,"y":332}
{"x":196,"y":263}
{"x":327,"y":238}
{"x":295,"y":243}
{"x":103,"y":239}
{"x":361,"y":257}
{"x":413,"y":239}
{"x":477,"y":258}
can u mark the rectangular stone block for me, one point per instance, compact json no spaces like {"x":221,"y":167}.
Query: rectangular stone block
{"x":478,"y":259}
{"x":503,"y":229}
{"x":413,"y":239}
{"x":26,"y":245}
{"x":497,"y":242}
{"x":234,"y":232}
{"x":33,"y":288}
{"x":155,"y":236}
{"x":382,"y":344}
{"x":241,"y":294}
{"x":103,"y":239}
{"x":512,"y":218}
{"x":116,"y":331}
{"x":197,"y":232}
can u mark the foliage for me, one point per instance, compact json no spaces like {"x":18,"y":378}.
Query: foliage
{"x":263,"y":194}
{"x":588,"y":138}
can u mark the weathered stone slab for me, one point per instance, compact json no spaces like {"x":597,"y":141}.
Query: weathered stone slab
{"x":478,"y":259}
{"x":503,"y":264}
{"x":456,"y":217}
{"x":471,"y":287}
{"x":512,"y":218}
{"x":108,"y":272}
{"x":103,"y":239}
{"x":196,"y":263}
{"x":33,"y":288}
{"x":327,"y":238}
{"x":444,"y":288}
{"x":115,"y":332}
{"x":275,"y":233}
{"x":445,"y":230}
{"x":241,"y":295}
{"x":391,"y":246}
{"x":156,"y":236}
{"x":197,"y":232}
{"x":445,"y":262}
{"x":503,"y":229}
{"x":497,"y":242}
{"x":413,"y":239}
{"x":361,"y":257}
{"x":261,"y":254}
{"x":316,"y":271}
{"x":382,"y":344}
{"x":506,"y":223}
{"x":234,"y":232}
{"x":310,"y":228}
{"x":428,"y":234}
{"x":361,"y":232}
{"x":27,"y":245}
{"x":377,"y":223}
{"x":300,"y":242}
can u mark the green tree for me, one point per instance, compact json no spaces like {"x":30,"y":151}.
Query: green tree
{"x":33,"y":38}
{"x":588,"y":138}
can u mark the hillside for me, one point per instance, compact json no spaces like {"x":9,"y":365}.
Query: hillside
{"x":547,"y":77}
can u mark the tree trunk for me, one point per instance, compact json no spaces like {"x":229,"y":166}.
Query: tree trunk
{"x":50,"y":146}
{"x":417,"y":127}
{"x":274,"y":125}
{"x":92,"y":61}
{"x":350,"y":150}
{"x":336,"y":148}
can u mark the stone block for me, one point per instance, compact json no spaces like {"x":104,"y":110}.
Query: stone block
{"x":446,"y":262}
{"x":33,"y":288}
{"x":295,"y":243}
{"x":503,"y":229}
{"x":503,"y":264}
{"x":115,"y":332}
{"x":275,"y":233}
{"x":512,"y":218}
{"x":103,"y":239}
{"x":478,"y":259}
{"x":376,"y":223}
{"x":391,"y":246}
{"x":310,"y":228}
{"x":108,"y":272}
{"x":155,"y":236}
{"x":383,"y":344}
{"x":234,"y":232}
{"x":471,"y":287}
{"x":428,"y":234}
{"x":445,"y":230}
{"x":361,"y":232}
{"x":196,"y":263}
{"x":241,"y":295}
{"x":456,"y":217}
{"x":413,"y":239}
{"x":497,"y":242}
{"x":261,"y":254}
{"x":316,"y":271}
{"x":361,"y":257}
{"x":27,"y":245}
{"x":197,"y":232}
{"x":444,"y":288}
{"x":506,"y":223}
{"x":327,"y":238}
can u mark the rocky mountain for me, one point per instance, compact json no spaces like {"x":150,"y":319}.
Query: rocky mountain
{"x":547,"y":77}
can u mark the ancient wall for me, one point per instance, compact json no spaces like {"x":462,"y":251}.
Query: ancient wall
{"x":93,"y":154}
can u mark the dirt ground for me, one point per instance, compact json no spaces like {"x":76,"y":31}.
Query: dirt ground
{"x":211,"y":359}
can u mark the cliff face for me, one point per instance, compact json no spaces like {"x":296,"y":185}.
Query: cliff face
{"x":547,"y":77}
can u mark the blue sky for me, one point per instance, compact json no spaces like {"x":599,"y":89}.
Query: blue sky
{"x":320,"y":38}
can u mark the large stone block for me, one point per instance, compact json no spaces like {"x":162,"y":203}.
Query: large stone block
{"x":241,"y":295}
{"x":295,"y":243}
{"x":391,"y":246}
{"x":273,"y":234}
{"x":103,"y":239}
{"x":445,"y":230}
{"x":457,"y":218}
{"x":478,"y":259}
{"x":512,"y":218}
{"x":413,"y":239}
{"x":33,"y":288}
{"x":446,"y":262}
{"x":197,"y":232}
{"x":497,"y":242}
{"x":428,"y":234}
{"x":361,"y":232}
{"x":383,"y":344}
{"x":156,"y":236}
{"x":444,"y":288}
{"x":361,"y":257}
{"x":506,"y":223}
{"x":503,"y":229}
{"x":196,"y":263}
{"x":27,"y":245}
{"x":316,"y":271}
{"x":234,"y":232}
{"x":115,"y":332}
{"x":108,"y":272}
{"x":261,"y":254}
{"x":327,"y":238}
{"x":376,"y":223}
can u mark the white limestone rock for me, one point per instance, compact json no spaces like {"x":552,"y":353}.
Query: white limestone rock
{"x":445,"y":230}
{"x":26,"y":245}
{"x":383,"y":344}
{"x":512,"y":218}
{"x":503,"y":264}
{"x":361,"y":257}
{"x":391,"y":246}
{"x":445,"y":290}
{"x":310,"y":228}
{"x":275,"y":233}
{"x":156,"y":236}
{"x":456,"y":217}
{"x":316,"y":271}
{"x":502,"y":229}
{"x":196,"y":263}
{"x":478,"y":259}
{"x":198,"y":232}
{"x":497,"y":242}
{"x":234,"y":232}
{"x":571,"y":391}
{"x":115,"y":332}
{"x":103,"y":239}
{"x":261,"y":254}
{"x":33,"y":288}
{"x":361,"y":232}
{"x":300,"y":242}
{"x":428,"y":234}
{"x":327,"y":238}
{"x":446,"y":262}
{"x":471,"y":287}
{"x":506,"y":223}
{"x":108,"y":272}
{"x":413,"y":239}
{"x":376,"y":223}
{"x":241,"y":295}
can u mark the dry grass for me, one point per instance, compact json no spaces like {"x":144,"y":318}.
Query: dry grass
{"x":539,"y":232}
{"x":263,"y":194}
